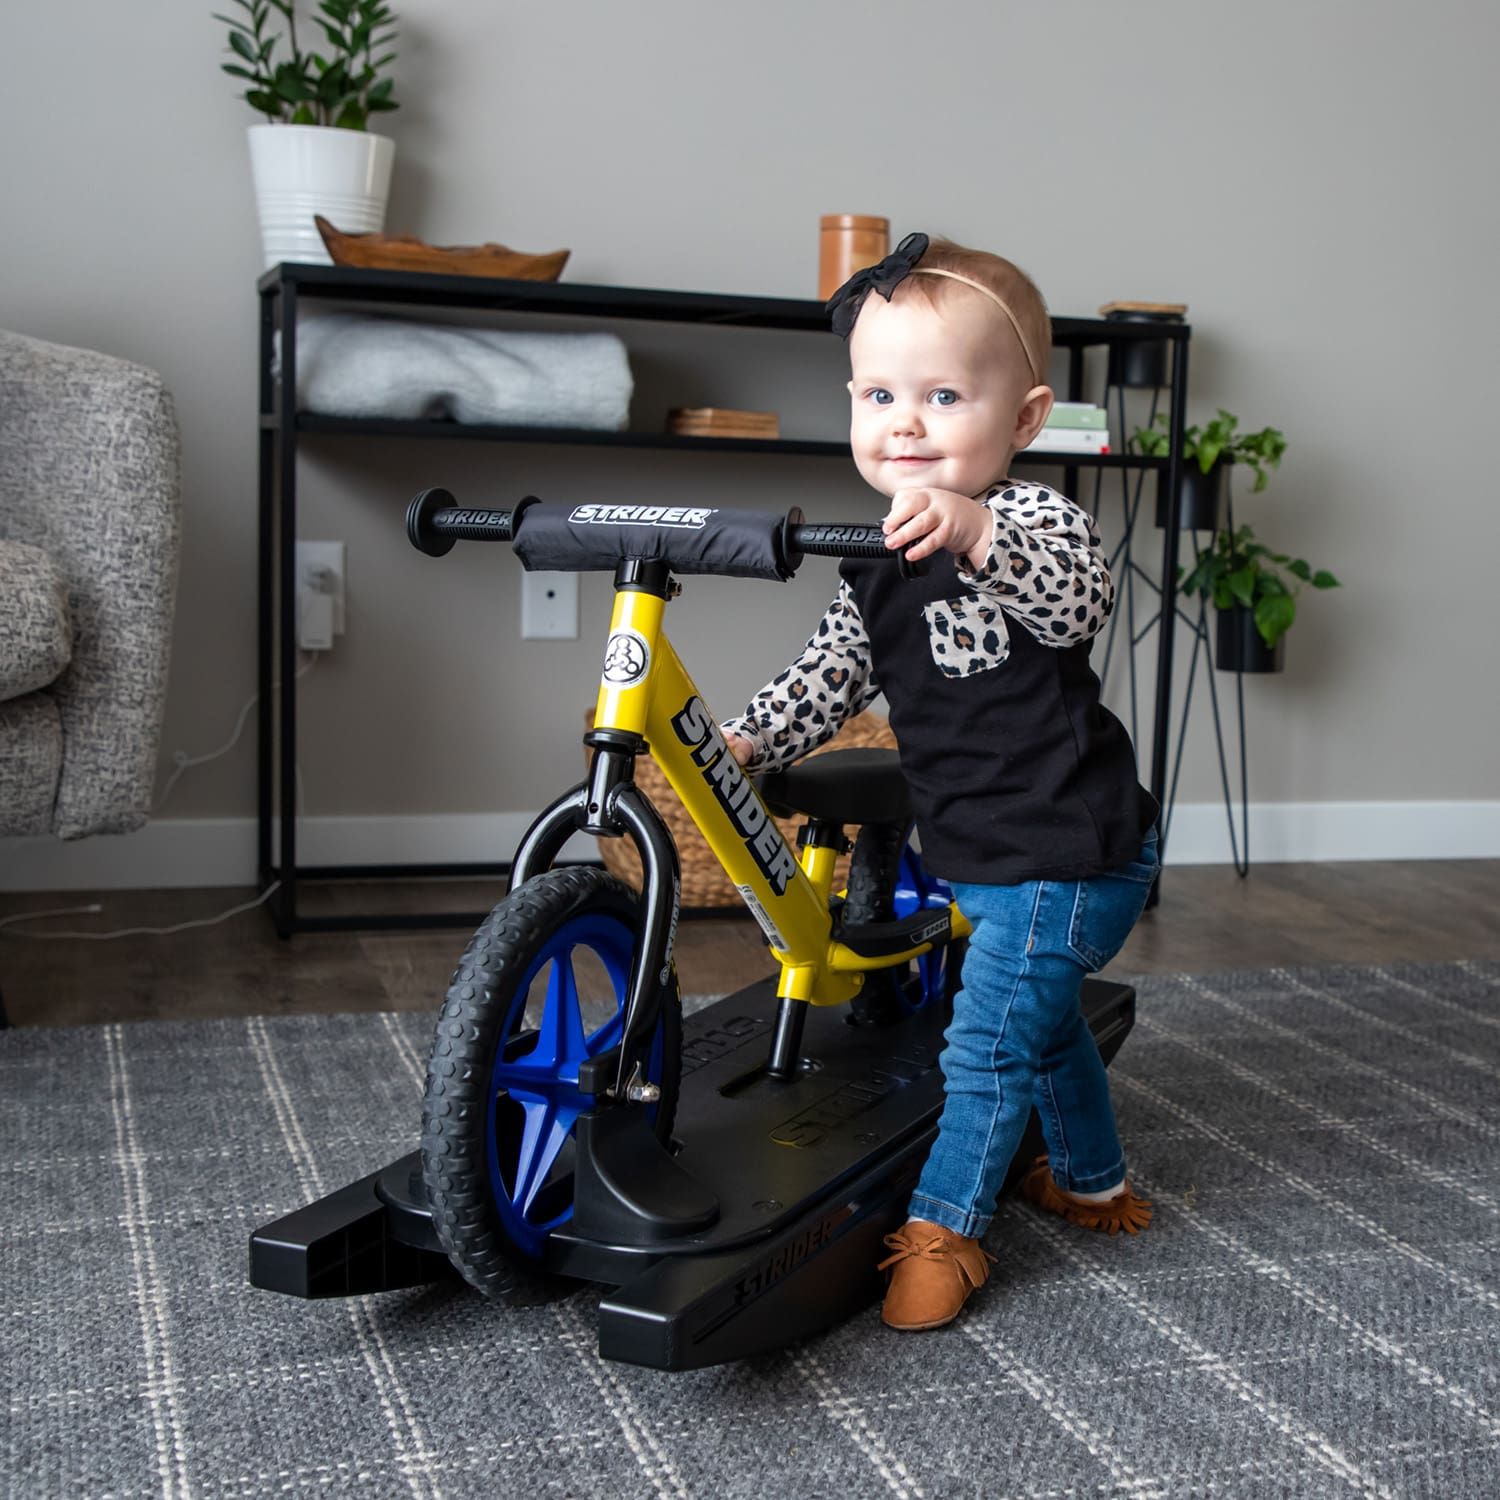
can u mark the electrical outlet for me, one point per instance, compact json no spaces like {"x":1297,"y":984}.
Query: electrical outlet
{"x":549,"y":606}
{"x":320,"y":570}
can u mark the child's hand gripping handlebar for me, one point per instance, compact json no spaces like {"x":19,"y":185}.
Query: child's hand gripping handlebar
{"x":690,"y":539}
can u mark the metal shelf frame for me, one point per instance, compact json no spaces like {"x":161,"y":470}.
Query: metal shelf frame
{"x":282,"y":291}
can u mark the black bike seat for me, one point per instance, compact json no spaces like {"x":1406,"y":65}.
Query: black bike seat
{"x":841,"y":786}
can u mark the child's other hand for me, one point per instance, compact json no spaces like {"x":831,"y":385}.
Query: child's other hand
{"x":740,"y":749}
{"x":927,"y":521}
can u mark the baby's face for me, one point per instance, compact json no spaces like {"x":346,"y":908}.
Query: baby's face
{"x":936,"y":394}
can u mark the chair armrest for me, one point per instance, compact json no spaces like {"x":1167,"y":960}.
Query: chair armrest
{"x":36,"y":635}
{"x":90,"y":472}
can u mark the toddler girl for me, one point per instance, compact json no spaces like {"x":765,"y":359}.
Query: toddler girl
{"x":1023,"y":785}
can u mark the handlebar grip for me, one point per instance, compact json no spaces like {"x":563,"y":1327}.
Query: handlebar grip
{"x":812,"y":539}
{"x":434,"y":522}
{"x":809,"y":539}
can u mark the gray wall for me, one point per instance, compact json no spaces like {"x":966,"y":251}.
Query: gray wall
{"x":1316,"y":182}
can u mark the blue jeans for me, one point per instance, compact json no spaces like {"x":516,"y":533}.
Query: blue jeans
{"x":1018,"y":1039}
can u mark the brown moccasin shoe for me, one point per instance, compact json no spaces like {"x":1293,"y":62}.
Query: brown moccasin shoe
{"x":935,"y":1271}
{"x":1123,"y":1211}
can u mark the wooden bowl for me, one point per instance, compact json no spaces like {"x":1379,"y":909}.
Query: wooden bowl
{"x":404,"y":252}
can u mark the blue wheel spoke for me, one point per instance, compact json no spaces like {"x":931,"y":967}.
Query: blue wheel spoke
{"x":560,"y":1041}
{"x":549,"y":1122}
{"x":526,"y":1075}
{"x":608,"y":1034}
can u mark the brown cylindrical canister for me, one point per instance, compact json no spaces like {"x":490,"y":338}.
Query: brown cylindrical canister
{"x":848,"y":243}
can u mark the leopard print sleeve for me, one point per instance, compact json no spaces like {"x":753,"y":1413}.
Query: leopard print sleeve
{"x":804,"y":706}
{"x":1046,"y":566}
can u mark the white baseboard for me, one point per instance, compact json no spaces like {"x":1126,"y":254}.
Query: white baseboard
{"x":192,"y":852}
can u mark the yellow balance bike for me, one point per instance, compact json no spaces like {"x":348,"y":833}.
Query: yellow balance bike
{"x":730,"y":1174}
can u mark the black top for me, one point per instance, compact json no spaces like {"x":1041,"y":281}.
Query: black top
{"x":1017,"y":772}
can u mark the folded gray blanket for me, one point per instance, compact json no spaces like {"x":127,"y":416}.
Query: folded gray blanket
{"x":354,"y":365}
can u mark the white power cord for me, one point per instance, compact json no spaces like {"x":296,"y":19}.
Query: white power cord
{"x":97,"y":937}
{"x":181,"y":760}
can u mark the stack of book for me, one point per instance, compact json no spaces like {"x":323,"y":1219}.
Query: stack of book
{"x":721,"y":421}
{"x":1073,"y":427}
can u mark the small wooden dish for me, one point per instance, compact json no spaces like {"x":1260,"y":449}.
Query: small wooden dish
{"x":404,"y":252}
{"x":1154,"y":309}
{"x":720,"y":421}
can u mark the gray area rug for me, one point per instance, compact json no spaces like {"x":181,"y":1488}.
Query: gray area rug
{"x":1315,"y":1311}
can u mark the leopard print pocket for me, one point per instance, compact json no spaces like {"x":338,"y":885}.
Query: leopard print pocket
{"x":966,"y":635}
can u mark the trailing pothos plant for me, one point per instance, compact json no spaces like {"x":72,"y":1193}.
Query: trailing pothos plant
{"x":1217,"y":439}
{"x":1238,"y":570}
{"x":343,"y":87}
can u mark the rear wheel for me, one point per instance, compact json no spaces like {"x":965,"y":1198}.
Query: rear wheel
{"x":887,"y":881}
{"x":539,"y":990}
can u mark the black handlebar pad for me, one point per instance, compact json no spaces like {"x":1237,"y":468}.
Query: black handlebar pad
{"x":688,"y":538}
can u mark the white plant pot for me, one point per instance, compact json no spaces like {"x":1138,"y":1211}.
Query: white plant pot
{"x":302,"y":170}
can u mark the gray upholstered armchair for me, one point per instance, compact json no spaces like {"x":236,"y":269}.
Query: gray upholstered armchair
{"x":90,"y":497}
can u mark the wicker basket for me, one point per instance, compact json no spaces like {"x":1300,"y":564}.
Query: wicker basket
{"x":704,"y":883}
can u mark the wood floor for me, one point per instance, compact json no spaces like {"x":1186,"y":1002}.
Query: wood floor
{"x":1209,"y":919}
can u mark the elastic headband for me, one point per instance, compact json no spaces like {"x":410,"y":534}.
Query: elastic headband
{"x":998,"y":301}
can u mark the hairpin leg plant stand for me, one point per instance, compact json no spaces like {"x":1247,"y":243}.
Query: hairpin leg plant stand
{"x":1127,"y":571}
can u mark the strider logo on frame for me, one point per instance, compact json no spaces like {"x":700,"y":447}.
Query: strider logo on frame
{"x":692,"y":516}
{"x":626,"y":658}
{"x":696,"y":729}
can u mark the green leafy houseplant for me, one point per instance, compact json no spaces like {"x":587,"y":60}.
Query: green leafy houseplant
{"x":1238,"y":570}
{"x":1219,"y":439}
{"x":343,"y":88}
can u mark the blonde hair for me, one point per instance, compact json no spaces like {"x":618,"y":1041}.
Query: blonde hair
{"x":1002,"y":278}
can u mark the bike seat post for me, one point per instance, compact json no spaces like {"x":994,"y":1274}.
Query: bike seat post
{"x":821,"y":842}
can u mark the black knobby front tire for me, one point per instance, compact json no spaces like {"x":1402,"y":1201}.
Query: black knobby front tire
{"x":482,"y":1028}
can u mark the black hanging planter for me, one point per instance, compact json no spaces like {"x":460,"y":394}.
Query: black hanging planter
{"x":1140,"y":363}
{"x":1240,"y":647}
{"x":1198,"y":509}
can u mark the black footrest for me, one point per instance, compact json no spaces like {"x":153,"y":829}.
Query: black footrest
{"x":883,"y":939}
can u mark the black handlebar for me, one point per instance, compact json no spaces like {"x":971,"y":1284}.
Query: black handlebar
{"x":435,"y":521}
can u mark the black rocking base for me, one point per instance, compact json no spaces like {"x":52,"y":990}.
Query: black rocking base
{"x":810,"y":1174}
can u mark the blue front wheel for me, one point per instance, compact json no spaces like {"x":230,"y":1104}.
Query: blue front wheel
{"x":539,"y":991}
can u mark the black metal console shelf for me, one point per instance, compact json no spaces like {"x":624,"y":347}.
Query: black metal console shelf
{"x":283,"y":289}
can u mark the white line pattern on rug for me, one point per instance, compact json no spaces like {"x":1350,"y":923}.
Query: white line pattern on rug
{"x":1460,"y":1399}
{"x":1344,"y":1062}
{"x":1469,"y":966}
{"x":406,"y":1050}
{"x":1312,"y":1442}
{"x":161,"y":1386}
{"x":852,"y":1420}
{"x":1334,"y":1205}
{"x":1041,"y":1390}
{"x":1441,"y":1001}
{"x":1395,"y":1028}
{"x":663,"y":1477}
{"x":414,"y":1465}
{"x":1414,"y":1165}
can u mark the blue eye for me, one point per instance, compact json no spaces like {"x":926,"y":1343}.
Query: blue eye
{"x":944,"y":397}
{"x":880,"y":396}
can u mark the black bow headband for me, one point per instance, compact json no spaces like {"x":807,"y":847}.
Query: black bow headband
{"x":845,"y":303}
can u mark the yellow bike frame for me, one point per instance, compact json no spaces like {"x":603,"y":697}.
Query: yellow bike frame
{"x":657,"y":699}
